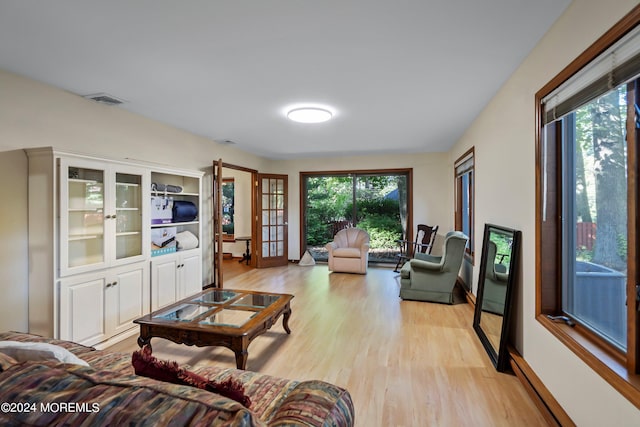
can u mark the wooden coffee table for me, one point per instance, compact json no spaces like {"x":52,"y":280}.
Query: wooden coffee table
{"x":217,"y":317}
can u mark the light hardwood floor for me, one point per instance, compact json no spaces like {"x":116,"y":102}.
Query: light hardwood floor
{"x":405,"y":363}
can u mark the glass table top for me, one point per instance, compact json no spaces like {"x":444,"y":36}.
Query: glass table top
{"x":183,"y":312}
{"x":216,"y":297}
{"x":251,"y":300}
{"x":226,"y":317}
{"x":218,"y":307}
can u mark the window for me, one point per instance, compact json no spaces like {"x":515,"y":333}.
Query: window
{"x":464,"y":196}
{"x":376,"y":201}
{"x":587,"y":206}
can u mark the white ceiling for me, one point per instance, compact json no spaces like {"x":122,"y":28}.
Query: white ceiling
{"x":403,"y":76}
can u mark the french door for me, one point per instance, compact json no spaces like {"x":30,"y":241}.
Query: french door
{"x":272,"y":236}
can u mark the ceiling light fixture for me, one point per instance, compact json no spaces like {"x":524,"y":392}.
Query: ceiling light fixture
{"x":309,"y":115}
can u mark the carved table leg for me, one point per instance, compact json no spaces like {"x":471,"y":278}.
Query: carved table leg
{"x":144,"y":338}
{"x":241,"y":359}
{"x":144,"y":341}
{"x":285,"y":320}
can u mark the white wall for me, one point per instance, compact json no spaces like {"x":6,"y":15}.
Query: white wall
{"x":504,"y":140}
{"x":13,"y":249}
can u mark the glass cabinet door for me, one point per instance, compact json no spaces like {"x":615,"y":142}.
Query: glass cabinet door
{"x":101,"y":215}
{"x":82,"y":210}
{"x":128,"y":215}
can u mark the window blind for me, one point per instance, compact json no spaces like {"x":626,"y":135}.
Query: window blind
{"x":619,"y":64}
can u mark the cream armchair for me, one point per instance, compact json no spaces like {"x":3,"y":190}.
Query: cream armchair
{"x":349,"y":251}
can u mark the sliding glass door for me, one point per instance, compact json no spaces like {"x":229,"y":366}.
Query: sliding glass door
{"x":377,"y":202}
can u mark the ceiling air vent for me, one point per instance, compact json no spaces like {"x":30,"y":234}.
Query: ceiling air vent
{"x":104,"y":98}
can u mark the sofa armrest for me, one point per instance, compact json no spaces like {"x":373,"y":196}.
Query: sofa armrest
{"x":315,"y":403}
{"x":331,"y":246}
{"x":425,"y":265}
{"x":427,"y":257}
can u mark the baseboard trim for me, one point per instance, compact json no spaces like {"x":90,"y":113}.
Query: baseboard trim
{"x":117,"y":338}
{"x":542,"y":398}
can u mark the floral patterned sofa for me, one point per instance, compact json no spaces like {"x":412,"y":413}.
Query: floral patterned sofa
{"x":108,"y":392}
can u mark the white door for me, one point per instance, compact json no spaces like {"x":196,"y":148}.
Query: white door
{"x":164,"y":281}
{"x":126,"y":299}
{"x":190,"y":273}
{"x":82,"y":302}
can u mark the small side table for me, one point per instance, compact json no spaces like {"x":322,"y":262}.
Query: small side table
{"x":247,"y":255}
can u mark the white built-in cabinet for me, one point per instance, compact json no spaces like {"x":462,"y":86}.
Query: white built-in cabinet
{"x":93,"y":266}
{"x":174,"y":277}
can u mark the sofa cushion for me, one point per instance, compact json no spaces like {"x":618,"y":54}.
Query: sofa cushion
{"x":347,"y":253}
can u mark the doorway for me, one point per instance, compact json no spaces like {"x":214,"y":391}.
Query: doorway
{"x":250,"y":219}
{"x":234,"y":210}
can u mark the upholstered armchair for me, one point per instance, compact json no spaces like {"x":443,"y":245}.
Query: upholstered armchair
{"x":432,"y":278}
{"x":349,"y":251}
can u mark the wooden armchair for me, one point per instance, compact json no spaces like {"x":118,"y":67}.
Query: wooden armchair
{"x":423,"y":243}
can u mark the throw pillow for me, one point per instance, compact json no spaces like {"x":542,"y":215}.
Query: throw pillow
{"x":146,"y":365}
{"x":37,"y":351}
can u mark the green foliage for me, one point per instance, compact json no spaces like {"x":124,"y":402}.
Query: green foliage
{"x":377,"y":206}
{"x":600,"y":175}
{"x":583,"y":254}
{"x":622,"y":246}
{"x":326,"y":198}
{"x":383,"y":231}
{"x":503,"y":248}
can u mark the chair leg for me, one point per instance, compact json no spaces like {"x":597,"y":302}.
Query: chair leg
{"x":401,"y":260}
{"x":397,"y":265}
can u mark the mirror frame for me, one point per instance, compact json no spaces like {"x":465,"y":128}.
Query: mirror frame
{"x":499,"y":357}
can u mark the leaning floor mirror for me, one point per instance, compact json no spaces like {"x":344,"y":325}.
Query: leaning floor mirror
{"x":498,"y":272}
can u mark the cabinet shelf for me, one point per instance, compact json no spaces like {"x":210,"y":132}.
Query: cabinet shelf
{"x":84,"y":237}
{"x":128,"y":233}
{"x":169,"y":193}
{"x":127,"y":184}
{"x":127,"y":209}
{"x":84,"y":181}
{"x":174,"y":224}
